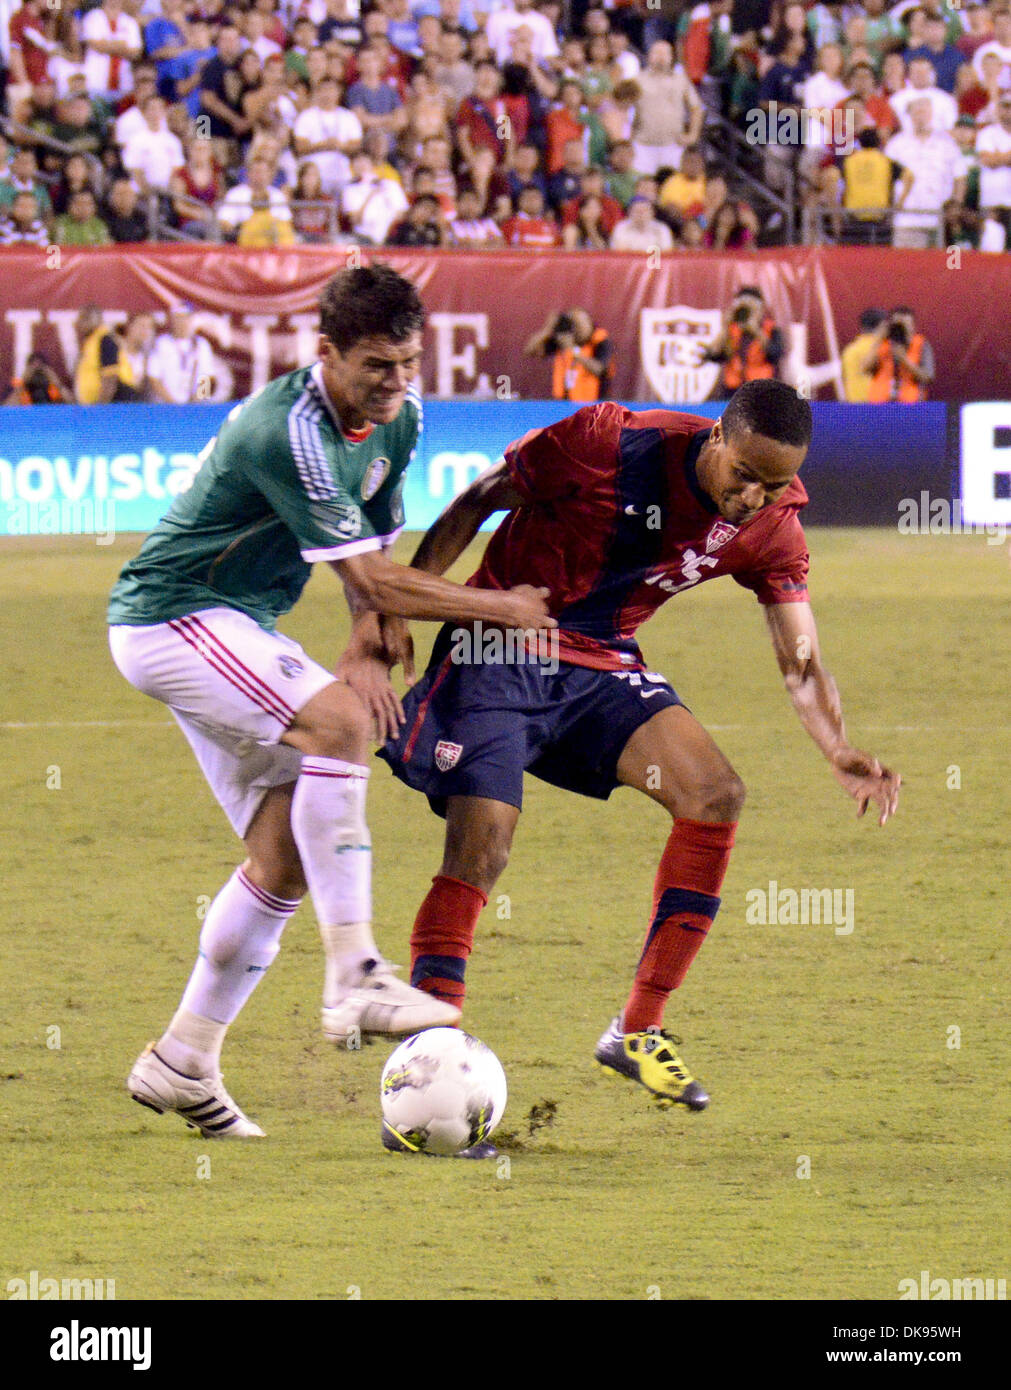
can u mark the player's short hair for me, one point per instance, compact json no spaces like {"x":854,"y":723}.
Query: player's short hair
{"x":771,"y":409}
{"x":371,"y":301}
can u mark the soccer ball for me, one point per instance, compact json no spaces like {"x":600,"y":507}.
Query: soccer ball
{"x":442,"y":1091}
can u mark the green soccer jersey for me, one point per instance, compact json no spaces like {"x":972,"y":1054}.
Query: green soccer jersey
{"x":280,"y":486}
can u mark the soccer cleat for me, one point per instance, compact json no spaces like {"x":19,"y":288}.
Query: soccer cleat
{"x":202,"y":1101}
{"x":650,"y":1059}
{"x":380,"y":1003}
{"x":396,"y":1143}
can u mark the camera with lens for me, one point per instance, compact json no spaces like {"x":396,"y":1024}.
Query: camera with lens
{"x":564,"y":324}
{"x":898,"y":333}
{"x":742,"y":314}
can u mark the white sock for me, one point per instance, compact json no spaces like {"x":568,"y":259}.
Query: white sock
{"x":241,"y":936}
{"x":328,"y":824}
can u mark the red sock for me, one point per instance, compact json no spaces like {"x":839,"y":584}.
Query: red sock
{"x":685,"y":901}
{"x":442,"y":937}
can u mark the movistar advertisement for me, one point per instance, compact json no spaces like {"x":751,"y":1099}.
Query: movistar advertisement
{"x":103,"y":470}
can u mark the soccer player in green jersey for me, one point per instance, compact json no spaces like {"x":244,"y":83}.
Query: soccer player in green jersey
{"x":309,"y":469}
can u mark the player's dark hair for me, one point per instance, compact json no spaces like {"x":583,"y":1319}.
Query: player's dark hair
{"x":371,"y":301}
{"x":771,"y":409}
{"x":871,"y":319}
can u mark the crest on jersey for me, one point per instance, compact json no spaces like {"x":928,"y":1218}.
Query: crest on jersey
{"x":672,"y":346}
{"x":290,"y":667}
{"x":375,"y":476}
{"x":447,"y":754}
{"x":720,"y":532}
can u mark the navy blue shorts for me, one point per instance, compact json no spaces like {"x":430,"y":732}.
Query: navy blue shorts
{"x":474,"y":729}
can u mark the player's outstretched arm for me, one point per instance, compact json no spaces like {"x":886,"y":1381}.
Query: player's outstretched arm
{"x":451,"y":533}
{"x":816,"y":700}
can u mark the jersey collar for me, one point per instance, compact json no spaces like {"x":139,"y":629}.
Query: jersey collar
{"x":352,"y":436}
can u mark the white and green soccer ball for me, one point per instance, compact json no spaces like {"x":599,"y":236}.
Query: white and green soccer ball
{"x":442,"y":1091}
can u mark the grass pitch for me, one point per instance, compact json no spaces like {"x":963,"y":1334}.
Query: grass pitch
{"x":871,"y":1060}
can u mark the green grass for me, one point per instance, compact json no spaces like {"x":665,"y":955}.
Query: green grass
{"x":812,"y":1044}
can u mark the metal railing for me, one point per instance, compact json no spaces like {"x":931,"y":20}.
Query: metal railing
{"x":824,"y":224}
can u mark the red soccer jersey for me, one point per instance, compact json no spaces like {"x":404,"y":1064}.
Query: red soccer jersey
{"x":530,"y":233}
{"x":614,"y":522}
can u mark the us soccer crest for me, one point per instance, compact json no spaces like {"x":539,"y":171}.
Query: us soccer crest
{"x":719,"y":533}
{"x":672,"y":346}
{"x":447,"y":754}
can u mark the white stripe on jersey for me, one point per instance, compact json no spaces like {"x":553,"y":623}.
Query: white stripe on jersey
{"x":307,"y":446}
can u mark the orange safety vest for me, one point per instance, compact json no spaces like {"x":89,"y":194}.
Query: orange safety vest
{"x":893,"y":383}
{"x":751,"y":365}
{"x":571,"y":381}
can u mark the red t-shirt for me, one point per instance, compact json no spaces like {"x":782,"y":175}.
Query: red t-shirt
{"x":614,"y":522}
{"x":611,"y":213}
{"x":482,"y":122}
{"x":36,"y":59}
{"x":526,"y":231}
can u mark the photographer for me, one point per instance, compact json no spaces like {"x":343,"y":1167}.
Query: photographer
{"x":750,"y":345}
{"x":39,"y":386}
{"x":581,"y":355}
{"x":900,"y":361}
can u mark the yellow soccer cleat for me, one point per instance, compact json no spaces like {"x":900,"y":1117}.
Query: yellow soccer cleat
{"x":651,"y":1059}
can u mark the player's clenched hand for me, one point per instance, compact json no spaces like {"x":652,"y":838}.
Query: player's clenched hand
{"x":369,"y":677}
{"x":398,"y":645}
{"x":863,"y":777}
{"x":524,"y":606}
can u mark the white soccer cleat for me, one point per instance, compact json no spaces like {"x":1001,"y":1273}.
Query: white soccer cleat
{"x":203,"y":1101}
{"x":380,"y":1003}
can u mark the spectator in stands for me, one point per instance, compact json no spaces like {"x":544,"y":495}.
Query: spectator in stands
{"x":592,"y":186}
{"x":39,"y":385}
{"x":196,"y":189}
{"x":31,"y":33}
{"x":641,"y":230}
{"x":732,"y":226}
{"x":341,"y":23}
{"x":112,"y":42}
{"x":565,"y":126}
{"x":257,"y":195}
{"x":862,"y":84}
{"x":311,"y":209}
{"x":566,"y":181}
{"x":165,"y":39}
{"x":884,"y":30}
{"x":1000,"y":45}
{"x":920,"y":86}
{"x":22,"y":224}
{"x":453,"y":74}
{"x":126,"y":220}
{"x":532,"y":227}
{"x":685,"y":192}
{"x":750,"y":345}
{"x":423,"y":225}
{"x":221,"y":87}
{"x":23,"y":177}
{"x":620,"y":174}
{"x":856,"y":381}
{"x":978,"y":31}
{"x":154,"y":154}
{"x":373,"y":99}
{"x":482,"y":120}
{"x":943,"y":56}
{"x":76,"y":175}
{"x":585,"y":232}
{"x":581,"y":355}
{"x":81,"y":225}
{"x":781,"y":91}
{"x":130,"y":120}
{"x":470,"y":229}
{"x":669,"y":114}
{"x":328,"y":134}
{"x":371,"y":204}
{"x":137,"y":342}
{"x":617,"y":113}
{"x":181,"y":366}
{"x":516,"y":14}
{"x":938,"y":174}
{"x":900,"y":361}
{"x":525,"y":170}
{"x":993,"y":150}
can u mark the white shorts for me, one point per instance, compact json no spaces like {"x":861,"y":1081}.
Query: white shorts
{"x":234,"y":689}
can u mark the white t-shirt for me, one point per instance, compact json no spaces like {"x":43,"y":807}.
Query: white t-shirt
{"x":314,"y":125}
{"x":372,"y":206}
{"x":61,"y":70}
{"x":501,"y":24}
{"x":156,"y":154}
{"x":945,"y":107}
{"x":99,"y":67}
{"x":1002,"y":50}
{"x":822,"y":93}
{"x":237,"y":205}
{"x":626,"y":237}
{"x":935,"y":163}
{"x":994,"y":184}
{"x":180,"y":364}
{"x":128,"y":125}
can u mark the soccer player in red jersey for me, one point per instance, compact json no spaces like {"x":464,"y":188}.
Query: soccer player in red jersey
{"x":613,"y":511}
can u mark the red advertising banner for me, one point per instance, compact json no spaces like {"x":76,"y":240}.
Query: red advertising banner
{"x":257,"y":309}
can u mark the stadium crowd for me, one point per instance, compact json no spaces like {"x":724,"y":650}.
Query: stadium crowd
{"x":521,"y":123}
